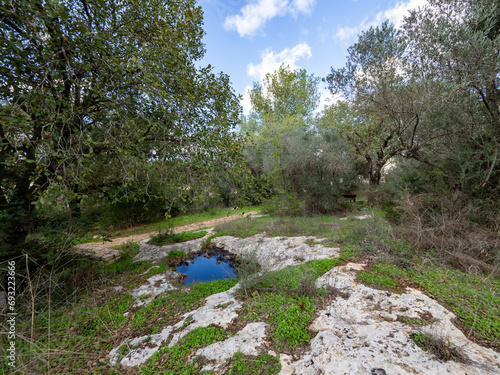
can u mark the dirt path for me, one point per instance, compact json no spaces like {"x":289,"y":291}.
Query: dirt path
{"x":106,"y":253}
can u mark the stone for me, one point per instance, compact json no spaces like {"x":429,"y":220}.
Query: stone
{"x":275,"y":253}
{"x":363,"y":331}
{"x":157,"y":285}
{"x":142,"y":348}
{"x":154,"y":253}
{"x":354,"y":336}
{"x":246,"y":341}
{"x":210,"y":314}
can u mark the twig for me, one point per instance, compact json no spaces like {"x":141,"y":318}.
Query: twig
{"x":32,"y":303}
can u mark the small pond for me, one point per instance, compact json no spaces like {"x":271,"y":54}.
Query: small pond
{"x":208,"y":266}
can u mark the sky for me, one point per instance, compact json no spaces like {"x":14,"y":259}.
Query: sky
{"x":246,"y":39}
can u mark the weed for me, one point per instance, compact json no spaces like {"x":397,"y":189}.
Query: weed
{"x":377,"y":280}
{"x":208,"y":242}
{"x":250,"y":365}
{"x":287,"y":299}
{"x":318,"y":226}
{"x":247,"y":267}
{"x":170,"y":238}
{"x":424,"y":319}
{"x":473,"y":298}
{"x":440,"y":348}
{"x":175,"y":360}
{"x":173,"y":254}
{"x":310,"y":242}
{"x":288,"y":316}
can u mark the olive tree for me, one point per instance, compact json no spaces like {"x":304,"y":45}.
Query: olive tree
{"x":458,"y":43}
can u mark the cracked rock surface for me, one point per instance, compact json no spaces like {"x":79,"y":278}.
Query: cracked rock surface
{"x":246,"y":341}
{"x":275,"y":253}
{"x":365,"y":331}
{"x":157,"y":285}
{"x":361,"y":334}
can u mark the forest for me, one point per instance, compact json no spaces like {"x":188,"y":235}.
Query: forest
{"x":108,"y":122}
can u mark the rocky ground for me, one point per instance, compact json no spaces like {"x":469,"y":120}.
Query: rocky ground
{"x":105,"y":251}
{"x":362,"y":331}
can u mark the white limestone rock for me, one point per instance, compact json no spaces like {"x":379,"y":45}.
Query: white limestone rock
{"x":360,"y":334}
{"x":247,"y":341}
{"x":142,"y":348}
{"x":154,"y":253}
{"x":219,"y":309}
{"x":274,"y":253}
{"x":156,"y":285}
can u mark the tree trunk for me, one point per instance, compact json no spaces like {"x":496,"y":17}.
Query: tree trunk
{"x":15,"y":223}
{"x":375,"y":174}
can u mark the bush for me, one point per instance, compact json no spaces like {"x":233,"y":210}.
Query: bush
{"x":170,"y":238}
{"x":283,"y":204}
{"x":315,"y":167}
{"x":442,"y":226}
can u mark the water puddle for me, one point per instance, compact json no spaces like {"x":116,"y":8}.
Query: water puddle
{"x":208,"y":266}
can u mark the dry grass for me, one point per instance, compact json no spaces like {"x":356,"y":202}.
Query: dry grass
{"x":448,"y":234}
{"x":439,"y":347}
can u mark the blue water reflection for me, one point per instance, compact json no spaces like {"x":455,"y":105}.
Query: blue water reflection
{"x":203,"y":269}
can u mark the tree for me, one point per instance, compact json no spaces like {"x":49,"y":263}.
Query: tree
{"x":283,"y":95}
{"x":458,"y":43}
{"x":392,"y":107}
{"x":313,"y":166}
{"x":283,"y":102}
{"x":366,"y":134}
{"x":90,"y":87}
{"x":370,"y":81}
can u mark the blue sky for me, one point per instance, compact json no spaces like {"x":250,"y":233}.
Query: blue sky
{"x":248,"y":38}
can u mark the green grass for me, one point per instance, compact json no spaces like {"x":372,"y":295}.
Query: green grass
{"x":173,"y":254}
{"x":287,"y":300}
{"x":170,"y":238}
{"x":86,"y":327}
{"x":293,"y":280}
{"x":175,"y":360}
{"x":381,"y":276}
{"x":319,"y":226}
{"x":474,"y":299}
{"x":166,"y":223}
{"x":250,"y":365}
{"x":90,"y":324}
{"x":288,"y":316}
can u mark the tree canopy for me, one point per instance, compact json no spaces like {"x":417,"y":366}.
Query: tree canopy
{"x":94,"y":93}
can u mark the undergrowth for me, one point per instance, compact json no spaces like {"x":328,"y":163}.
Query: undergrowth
{"x":170,"y":238}
{"x":249,"y":365}
{"x":175,"y":360}
{"x":287,"y":300}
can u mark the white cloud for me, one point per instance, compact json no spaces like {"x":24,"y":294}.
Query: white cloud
{"x":325,"y":99}
{"x":245,"y":101}
{"x":302,"y":6}
{"x":255,"y":14}
{"x":271,"y":61}
{"x":394,"y":15}
{"x":397,"y":14}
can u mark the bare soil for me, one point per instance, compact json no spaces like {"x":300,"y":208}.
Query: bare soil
{"x":143,"y":236}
